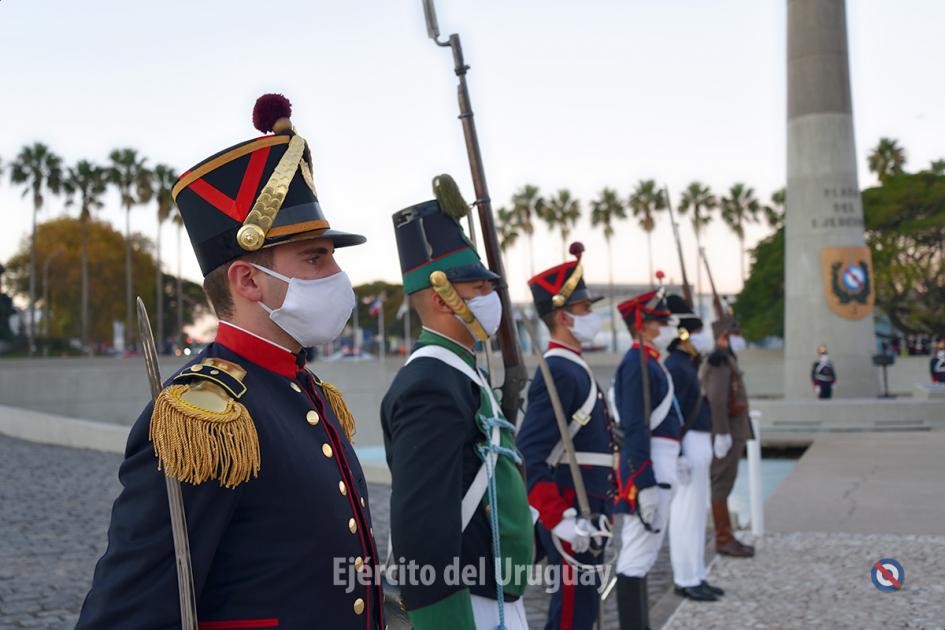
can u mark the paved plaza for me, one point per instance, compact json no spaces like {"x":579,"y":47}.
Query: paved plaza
{"x":813,"y":580}
{"x":56,"y":503}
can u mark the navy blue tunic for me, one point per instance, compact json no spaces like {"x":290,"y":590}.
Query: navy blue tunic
{"x":264,"y":552}
{"x":636,"y":467}
{"x":551,"y":489}
{"x":683,"y":368}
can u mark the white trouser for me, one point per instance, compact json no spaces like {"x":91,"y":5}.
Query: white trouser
{"x":639,"y":547}
{"x":688,"y":513}
{"x":486,"y":613}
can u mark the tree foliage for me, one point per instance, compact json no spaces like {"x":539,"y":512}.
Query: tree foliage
{"x":106,"y":272}
{"x":905,"y":226}
{"x":759,"y":307}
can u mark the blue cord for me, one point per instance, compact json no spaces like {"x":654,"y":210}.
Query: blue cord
{"x":484,"y":451}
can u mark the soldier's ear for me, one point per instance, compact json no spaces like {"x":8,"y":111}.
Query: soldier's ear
{"x":244,"y":281}
{"x":563,"y":318}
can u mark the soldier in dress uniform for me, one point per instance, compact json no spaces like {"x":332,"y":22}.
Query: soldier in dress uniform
{"x":937,"y":363}
{"x":271,"y":485}
{"x":687,"y":518}
{"x":647,"y":472}
{"x":823,"y":377}
{"x":458,"y":500}
{"x":563,"y":303}
{"x":724,"y":388}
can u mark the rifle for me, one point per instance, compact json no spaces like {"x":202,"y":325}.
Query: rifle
{"x":515,"y":373}
{"x":175,"y":501}
{"x":686,"y":288}
{"x":716,"y":300}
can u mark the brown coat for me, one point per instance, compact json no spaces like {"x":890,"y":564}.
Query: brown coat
{"x":724,"y":386}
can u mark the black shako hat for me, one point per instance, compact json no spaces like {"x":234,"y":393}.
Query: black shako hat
{"x":255,"y":194}
{"x":561,"y":285}
{"x":679,"y":307}
{"x":646,"y":306}
{"x":430,"y":238}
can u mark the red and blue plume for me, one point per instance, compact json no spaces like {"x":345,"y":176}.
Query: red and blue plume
{"x":270,"y":108}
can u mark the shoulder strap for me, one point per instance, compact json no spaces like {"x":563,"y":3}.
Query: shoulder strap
{"x":480,"y":483}
{"x":580,"y":417}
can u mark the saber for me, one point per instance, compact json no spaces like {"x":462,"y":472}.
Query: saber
{"x":175,"y":502}
{"x":579,"y":489}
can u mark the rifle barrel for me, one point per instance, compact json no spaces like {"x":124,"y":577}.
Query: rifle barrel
{"x":515,"y":372}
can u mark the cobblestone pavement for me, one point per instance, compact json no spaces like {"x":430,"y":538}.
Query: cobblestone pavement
{"x":55,"y":504}
{"x":812,"y":580}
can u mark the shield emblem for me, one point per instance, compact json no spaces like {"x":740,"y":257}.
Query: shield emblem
{"x":848,"y":280}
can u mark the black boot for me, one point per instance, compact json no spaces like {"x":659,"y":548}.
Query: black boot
{"x":631,"y":603}
{"x":645,"y":603}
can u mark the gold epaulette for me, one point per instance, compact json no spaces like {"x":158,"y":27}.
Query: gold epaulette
{"x":201,"y":431}
{"x":340,"y":407}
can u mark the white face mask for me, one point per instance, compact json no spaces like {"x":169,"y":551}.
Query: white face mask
{"x":701,"y":341}
{"x":313,"y":311}
{"x":666,"y":336}
{"x":737,"y":343}
{"x":488,"y":311}
{"x":585,"y":327}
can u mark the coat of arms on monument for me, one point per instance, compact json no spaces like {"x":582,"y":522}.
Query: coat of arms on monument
{"x":848,"y":280}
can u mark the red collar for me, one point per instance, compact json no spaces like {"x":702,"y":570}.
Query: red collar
{"x":256,"y":349}
{"x":650,"y":350}
{"x":557,"y":344}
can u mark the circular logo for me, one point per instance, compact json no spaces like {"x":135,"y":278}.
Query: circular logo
{"x":854,"y":277}
{"x":888,"y":575}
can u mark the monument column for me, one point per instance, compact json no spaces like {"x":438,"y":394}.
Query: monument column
{"x":829,"y":285}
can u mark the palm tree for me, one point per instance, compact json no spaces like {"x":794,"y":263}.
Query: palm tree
{"x":179,"y":222}
{"x":507,"y":228}
{"x":887,"y":159}
{"x":87,"y":181}
{"x":738,"y":210}
{"x":133,"y":181}
{"x":774,"y":212}
{"x":937,"y":167}
{"x":39,"y":170}
{"x":562,"y":212}
{"x":527,"y":204}
{"x":699,"y":200}
{"x":163,"y":178}
{"x":605,"y":211}
{"x":645,"y":201}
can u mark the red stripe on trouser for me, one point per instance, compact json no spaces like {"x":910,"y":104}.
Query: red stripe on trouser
{"x":567,"y":591}
{"x":238,"y":623}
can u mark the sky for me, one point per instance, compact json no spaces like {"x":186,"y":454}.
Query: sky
{"x":577,"y":95}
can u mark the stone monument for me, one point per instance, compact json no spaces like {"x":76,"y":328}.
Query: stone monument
{"x":829,"y":287}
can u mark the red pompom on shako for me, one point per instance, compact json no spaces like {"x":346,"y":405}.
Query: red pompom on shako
{"x":576,"y":249}
{"x":268,"y":109}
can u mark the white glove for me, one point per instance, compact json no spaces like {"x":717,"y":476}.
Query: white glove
{"x":722,"y":444}
{"x":648,"y":505}
{"x":683,"y":470}
{"x":574,"y":532}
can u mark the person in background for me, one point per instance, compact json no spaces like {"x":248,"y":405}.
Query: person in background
{"x":687,"y":518}
{"x":564,"y":304}
{"x":937,"y":363}
{"x":823,"y":377}
{"x":647,"y":472}
{"x":724,"y":388}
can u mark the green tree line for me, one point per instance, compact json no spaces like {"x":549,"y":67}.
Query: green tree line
{"x":43,"y":176}
{"x":905,"y":229}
